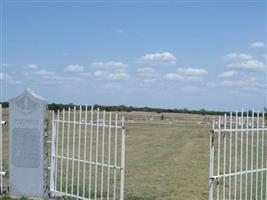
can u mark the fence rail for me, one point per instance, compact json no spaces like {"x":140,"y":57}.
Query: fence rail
{"x":87,"y":152}
{"x":238,"y":157}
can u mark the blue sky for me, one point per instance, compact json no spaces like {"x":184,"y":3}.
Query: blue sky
{"x":208,"y":55}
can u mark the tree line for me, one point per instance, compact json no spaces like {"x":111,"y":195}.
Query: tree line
{"x":124,"y":108}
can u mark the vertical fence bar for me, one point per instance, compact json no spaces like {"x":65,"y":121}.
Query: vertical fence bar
{"x":79,"y":151}
{"x":242,"y":168}
{"x":122,"y":160}
{"x":56,"y":155}
{"x":1,"y":152}
{"x":263,"y":126}
{"x":246,"y":182}
{"x":230,"y":154}
{"x":91,"y":151}
{"x":211,"y":161}
{"x":84,"y":149}
{"x":241,"y":156}
{"x":53,"y":150}
{"x":115,"y":156}
{"x":257,"y":155}
{"x":262,"y":155}
{"x":236,"y":126}
{"x":252,"y":152}
{"x":103,"y":154}
{"x":68,"y":147}
{"x":96,"y":154}
{"x":62,"y":150}
{"x":224,"y":154}
{"x":109,"y":148}
{"x":73,"y":149}
{"x":219,"y":158}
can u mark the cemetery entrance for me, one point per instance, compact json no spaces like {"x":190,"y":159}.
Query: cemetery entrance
{"x":79,"y":153}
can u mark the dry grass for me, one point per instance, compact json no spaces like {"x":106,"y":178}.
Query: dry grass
{"x":165,"y":159}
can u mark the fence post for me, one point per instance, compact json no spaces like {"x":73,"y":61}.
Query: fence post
{"x":1,"y":152}
{"x":53,"y":157}
{"x":122,"y":160}
{"x":211,"y":181}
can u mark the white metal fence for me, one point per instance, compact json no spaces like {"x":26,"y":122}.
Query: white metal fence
{"x":1,"y":151}
{"x":87,"y":154}
{"x":238,"y":157}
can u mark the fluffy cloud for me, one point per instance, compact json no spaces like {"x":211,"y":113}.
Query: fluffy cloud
{"x":119,"y":31}
{"x":111,"y":70}
{"x":74,"y":68}
{"x":146,"y":72}
{"x":44,"y":72}
{"x":248,"y":64}
{"x":257,"y":45}
{"x":191,"y":71}
{"x":236,"y":57}
{"x":6,"y":77}
{"x":172,"y":76}
{"x":244,"y":84}
{"x":32,"y":66}
{"x":165,"y":58}
{"x":111,"y":65}
{"x":184,"y":74}
{"x":228,"y":74}
{"x":111,"y":75}
{"x":112,"y":86}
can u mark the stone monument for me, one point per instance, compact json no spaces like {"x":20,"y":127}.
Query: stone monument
{"x":28,"y":152}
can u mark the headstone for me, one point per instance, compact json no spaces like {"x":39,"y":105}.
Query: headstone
{"x":28,"y":166}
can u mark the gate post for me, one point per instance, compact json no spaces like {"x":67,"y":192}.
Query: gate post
{"x":1,"y":153}
{"x":211,"y":181}
{"x":53,"y":157}
{"x":122,"y":160}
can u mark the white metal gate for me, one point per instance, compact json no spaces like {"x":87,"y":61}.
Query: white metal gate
{"x":1,"y":151}
{"x":238,"y":157}
{"x":87,"y":154}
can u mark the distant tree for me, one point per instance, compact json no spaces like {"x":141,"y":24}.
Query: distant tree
{"x":5,"y":104}
{"x":202,"y":111}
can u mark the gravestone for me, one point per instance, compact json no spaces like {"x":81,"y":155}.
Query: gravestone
{"x":28,"y":166}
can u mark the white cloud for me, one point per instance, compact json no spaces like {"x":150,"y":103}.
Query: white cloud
{"x":112,"y":86}
{"x":111,"y":65}
{"x":191,"y":71}
{"x":149,"y":80}
{"x":119,"y":31}
{"x":32,"y":66}
{"x":236,"y":57}
{"x":6,"y":77}
{"x":85,"y":74}
{"x":146,"y":72}
{"x":165,"y":58}
{"x":191,"y":88}
{"x":44,"y":72}
{"x":111,"y":75}
{"x":248,"y":64}
{"x":184,"y":74}
{"x":4,"y":65}
{"x":244,"y":84}
{"x":74,"y":68}
{"x":257,"y":45}
{"x":112,"y":70}
{"x":172,"y":76}
{"x":228,"y":74}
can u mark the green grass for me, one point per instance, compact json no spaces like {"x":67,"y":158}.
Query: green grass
{"x":165,"y":159}
{"x":8,"y":198}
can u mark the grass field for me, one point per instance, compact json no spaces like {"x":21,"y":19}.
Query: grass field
{"x":165,"y":159}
